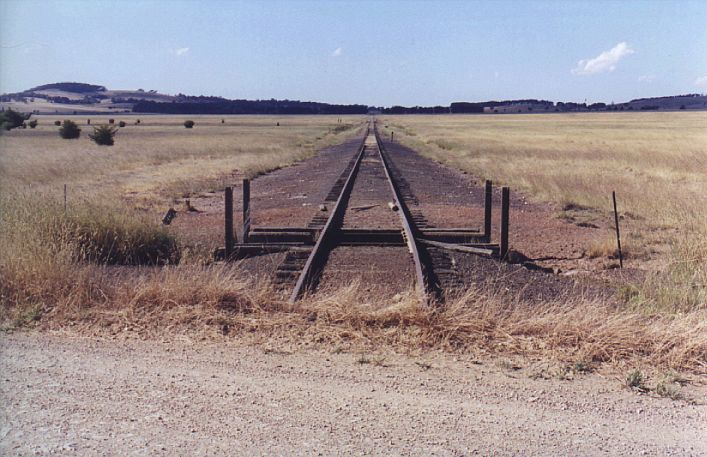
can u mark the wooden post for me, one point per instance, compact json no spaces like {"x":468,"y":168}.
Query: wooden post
{"x":228,"y":222}
{"x":391,"y":136}
{"x":505,"y":207}
{"x":618,"y":234}
{"x":246,"y":209}
{"x":488,"y":194}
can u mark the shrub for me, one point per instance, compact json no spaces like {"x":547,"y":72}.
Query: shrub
{"x":69,"y":130}
{"x":188,"y":124}
{"x":635,"y":380}
{"x":57,"y":123}
{"x":11,"y":119}
{"x":121,"y":124}
{"x":137,"y":122}
{"x":103,"y":135}
{"x":88,"y":121}
{"x":111,"y":121}
{"x":33,"y":123}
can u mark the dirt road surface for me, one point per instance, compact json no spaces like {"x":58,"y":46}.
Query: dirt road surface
{"x":67,"y":395}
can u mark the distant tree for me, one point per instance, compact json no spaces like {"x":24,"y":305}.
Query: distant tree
{"x":57,"y":123}
{"x":11,"y":119}
{"x":69,"y":130}
{"x":189,"y":124}
{"x":33,"y":123}
{"x":103,"y":135}
{"x":111,"y":121}
{"x":121,"y":124}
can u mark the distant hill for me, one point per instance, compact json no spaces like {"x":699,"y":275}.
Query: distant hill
{"x":81,"y":98}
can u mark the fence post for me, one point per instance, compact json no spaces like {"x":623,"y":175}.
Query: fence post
{"x":246,"y":209}
{"x":505,"y":207}
{"x":228,"y":222}
{"x":618,"y":234}
{"x":488,"y":194}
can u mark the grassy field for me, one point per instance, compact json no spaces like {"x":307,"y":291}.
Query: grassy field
{"x":159,"y":158}
{"x":77,"y":268}
{"x":656,"y":163}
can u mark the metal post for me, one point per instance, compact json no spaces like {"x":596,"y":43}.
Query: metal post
{"x":505,"y":207}
{"x":246,"y":209}
{"x":618,"y":234}
{"x":228,"y":222}
{"x":488,"y":194}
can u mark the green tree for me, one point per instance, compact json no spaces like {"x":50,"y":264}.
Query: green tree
{"x":11,"y":119}
{"x":69,"y":130}
{"x":103,"y":135}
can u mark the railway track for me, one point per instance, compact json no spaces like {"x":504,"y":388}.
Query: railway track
{"x":391,"y":219}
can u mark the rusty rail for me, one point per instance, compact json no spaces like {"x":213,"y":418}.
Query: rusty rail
{"x":327,"y":236}
{"x":409,"y":229}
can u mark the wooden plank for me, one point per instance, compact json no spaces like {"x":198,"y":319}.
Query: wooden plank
{"x":246,"y":209}
{"x":458,"y":248}
{"x":488,"y":194}
{"x":505,"y":209}
{"x":228,"y":221}
{"x":458,"y":230}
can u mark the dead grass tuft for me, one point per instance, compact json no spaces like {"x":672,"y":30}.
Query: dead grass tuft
{"x":204,"y":300}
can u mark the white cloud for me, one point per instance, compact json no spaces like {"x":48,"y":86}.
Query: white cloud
{"x":701,"y":82}
{"x":179,"y":52}
{"x":337,"y":52}
{"x":646,"y":78}
{"x":606,"y":61}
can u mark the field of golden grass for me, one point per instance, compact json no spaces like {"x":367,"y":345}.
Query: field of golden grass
{"x":59,"y":268}
{"x":656,"y":163}
{"x":159,"y":158}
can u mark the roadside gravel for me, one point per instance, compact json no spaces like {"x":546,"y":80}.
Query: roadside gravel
{"x":68,"y":395}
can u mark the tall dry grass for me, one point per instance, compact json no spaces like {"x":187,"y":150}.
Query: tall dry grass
{"x":656,"y":163}
{"x":218,"y":300}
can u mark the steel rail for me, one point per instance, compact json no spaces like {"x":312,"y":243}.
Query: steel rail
{"x":328,"y":232}
{"x":409,"y":229}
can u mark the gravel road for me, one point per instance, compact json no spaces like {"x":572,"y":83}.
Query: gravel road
{"x":68,"y":395}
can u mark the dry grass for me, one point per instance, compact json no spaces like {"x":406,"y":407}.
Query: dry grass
{"x":160,"y":159}
{"x":42,"y":279}
{"x":656,"y":163}
{"x":218,"y":300}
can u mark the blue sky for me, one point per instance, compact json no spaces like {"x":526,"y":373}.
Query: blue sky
{"x":377,"y":53}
